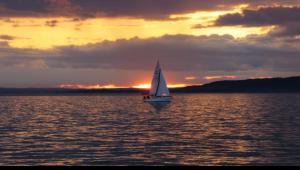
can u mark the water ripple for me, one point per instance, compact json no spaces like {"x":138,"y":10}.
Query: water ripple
{"x":204,"y":129}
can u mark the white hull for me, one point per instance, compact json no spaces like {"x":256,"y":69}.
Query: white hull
{"x":158,"y":99}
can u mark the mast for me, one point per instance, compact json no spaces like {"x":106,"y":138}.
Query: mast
{"x":155,"y":80}
{"x":158,"y":81}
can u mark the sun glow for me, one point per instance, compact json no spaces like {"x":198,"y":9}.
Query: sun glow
{"x":112,"y":86}
{"x":148,"y":86}
{"x":142,"y":86}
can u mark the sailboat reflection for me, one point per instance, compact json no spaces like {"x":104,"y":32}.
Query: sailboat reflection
{"x":159,"y":107}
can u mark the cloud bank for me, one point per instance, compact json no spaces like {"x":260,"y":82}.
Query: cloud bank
{"x":287,"y":19}
{"x":179,"y":52}
{"x":148,"y":9}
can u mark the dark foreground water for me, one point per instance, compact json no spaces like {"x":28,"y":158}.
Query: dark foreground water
{"x":202,"y":129}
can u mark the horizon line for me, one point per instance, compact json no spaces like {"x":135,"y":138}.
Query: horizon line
{"x":140,"y":86}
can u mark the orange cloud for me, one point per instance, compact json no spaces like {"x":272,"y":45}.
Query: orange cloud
{"x":190,"y":78}
{"x":219,"y":77}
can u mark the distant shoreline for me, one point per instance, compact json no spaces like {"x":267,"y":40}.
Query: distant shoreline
{"x":270,"y":85}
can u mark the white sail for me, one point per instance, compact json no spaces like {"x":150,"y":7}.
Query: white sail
{"x":155,"y":80}
{"x":159,"y":85}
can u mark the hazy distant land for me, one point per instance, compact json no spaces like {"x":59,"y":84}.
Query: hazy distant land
{"x":270,"y":85}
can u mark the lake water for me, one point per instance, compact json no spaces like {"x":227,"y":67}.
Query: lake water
{"x":195,"y":129}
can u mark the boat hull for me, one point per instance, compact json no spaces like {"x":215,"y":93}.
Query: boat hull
{"x":158,"y":99}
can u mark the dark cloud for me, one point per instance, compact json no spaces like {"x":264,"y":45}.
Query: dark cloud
{"x":262,"y":17}
{"x":149,"y":9}
{"x":36,"y":8}
{"x":287,"y":19}
{"x":6,"y":37}
{"x":181,"y":52}
{"x":199,"y":26}
{"x":287,"y":30}
{"x":52,"y":23}
{"x":16,"y":57}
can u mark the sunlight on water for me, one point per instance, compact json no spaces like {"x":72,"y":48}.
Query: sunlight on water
{"x":203,"y":129}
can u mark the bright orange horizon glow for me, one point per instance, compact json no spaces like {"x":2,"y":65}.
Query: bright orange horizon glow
{"x":112,"y":86}
{"x":148,"y":86}
{"x":142,"y":86}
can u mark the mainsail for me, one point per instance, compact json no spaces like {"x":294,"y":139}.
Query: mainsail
{"x":159,"y":85}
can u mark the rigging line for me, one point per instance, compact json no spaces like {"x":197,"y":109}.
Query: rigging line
{"x":157,"y":88}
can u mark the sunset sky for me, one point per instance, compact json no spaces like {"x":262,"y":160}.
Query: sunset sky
{"x":116,"y":43}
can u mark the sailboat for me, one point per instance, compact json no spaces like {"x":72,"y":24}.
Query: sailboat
{"x":159,"y":91}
